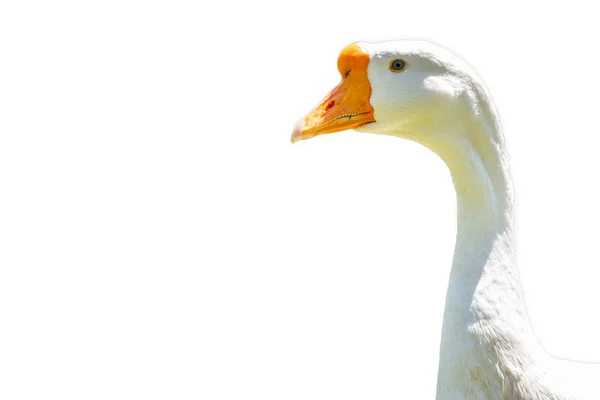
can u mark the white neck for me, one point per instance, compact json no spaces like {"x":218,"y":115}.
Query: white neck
{"x":486,"y":339}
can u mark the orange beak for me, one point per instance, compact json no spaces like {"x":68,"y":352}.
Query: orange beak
{"x":347,"y":106}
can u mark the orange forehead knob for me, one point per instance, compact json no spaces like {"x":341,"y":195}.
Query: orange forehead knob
{"x":353,"y":58}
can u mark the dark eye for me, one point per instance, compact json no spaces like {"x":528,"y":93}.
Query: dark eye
{"x":397,"y":65}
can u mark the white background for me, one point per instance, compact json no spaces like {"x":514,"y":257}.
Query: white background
{"x":161,"y":238}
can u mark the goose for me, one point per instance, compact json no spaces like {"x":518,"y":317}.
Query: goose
{"x":422,"y":92}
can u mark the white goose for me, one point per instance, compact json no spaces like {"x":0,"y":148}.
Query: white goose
{"x":421,"y":92}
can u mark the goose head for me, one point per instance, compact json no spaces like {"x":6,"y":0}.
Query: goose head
{"x":410,"y":89}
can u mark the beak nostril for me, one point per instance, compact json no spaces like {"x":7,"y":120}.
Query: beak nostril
{"x":329,"y":105}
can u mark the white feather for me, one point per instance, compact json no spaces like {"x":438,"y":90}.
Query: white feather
{"x":488,"y":350}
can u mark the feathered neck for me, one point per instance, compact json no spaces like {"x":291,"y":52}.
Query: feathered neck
{"x":486,"y":339}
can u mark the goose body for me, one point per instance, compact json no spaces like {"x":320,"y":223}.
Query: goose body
{"x":422,"y":92}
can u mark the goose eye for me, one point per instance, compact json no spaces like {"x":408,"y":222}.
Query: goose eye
{"x":397,"y":65}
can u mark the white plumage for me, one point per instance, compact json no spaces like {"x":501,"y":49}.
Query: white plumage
{"x":488,"y":350}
